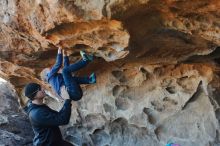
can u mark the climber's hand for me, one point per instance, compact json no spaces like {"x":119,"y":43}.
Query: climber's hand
{"x":59,"y":50}
{"x":65,"y":52}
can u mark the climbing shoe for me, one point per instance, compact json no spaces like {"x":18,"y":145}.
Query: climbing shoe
{"x":86,"y":57}
{"x":92,"y":78}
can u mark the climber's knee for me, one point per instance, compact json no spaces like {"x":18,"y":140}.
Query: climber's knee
{"x":75,"y":95}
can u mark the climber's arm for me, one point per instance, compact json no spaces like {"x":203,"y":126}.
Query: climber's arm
{"x":48,"y":117}
{"x":66,"y":58}
{"x":58,"y":64}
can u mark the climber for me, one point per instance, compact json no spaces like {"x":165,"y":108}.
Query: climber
{"x":66,"y":84}
{"x":44,"y":120}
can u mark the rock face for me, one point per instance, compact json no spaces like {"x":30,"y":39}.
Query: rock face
{"x":157,"y":65}
{"x":15,"y":128}
{"x":146,"y":105}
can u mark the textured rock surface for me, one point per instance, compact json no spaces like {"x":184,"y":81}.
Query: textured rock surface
{"x":15,"y":128}
{"x":146,"y":105}
{"x":157,"y":63}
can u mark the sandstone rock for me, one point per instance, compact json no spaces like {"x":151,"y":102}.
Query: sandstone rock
{"x":8,"y":138}
{"x":15,"y":126}
{"x":3,"y":120}
{"x":106,"y":38}
{"x":94,"y":121}
{"x":122,"y":103}
{"x":75,"y":136}
{"x":24,"y":26}
{"x":100,"y":138}
{"x":185,"y":128}
{"x":150,"y":57}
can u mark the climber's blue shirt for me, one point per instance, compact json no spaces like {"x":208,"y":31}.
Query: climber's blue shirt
{"x":45,"y":122}
{"x":54,"y":78}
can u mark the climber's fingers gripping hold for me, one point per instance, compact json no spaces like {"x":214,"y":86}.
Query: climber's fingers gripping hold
{"x":60,"y":50}
{"x":64,"y":52}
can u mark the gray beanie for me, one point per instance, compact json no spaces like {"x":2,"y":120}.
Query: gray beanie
{"x":30,"y":90}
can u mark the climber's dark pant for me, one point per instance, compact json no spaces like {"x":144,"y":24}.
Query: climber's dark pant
{"x":72,"y":83}
{"x":62,"y":143}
